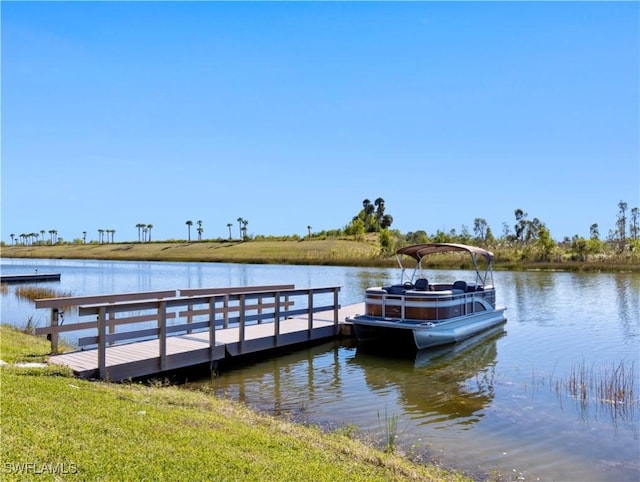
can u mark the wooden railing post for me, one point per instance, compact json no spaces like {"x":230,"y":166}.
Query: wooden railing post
{"x":336,"y":305}
{"x":189,"y":317}
{"x":276,"y":316}
{"x":212,"y":326}
{"x":111,"y":326}
{"x":102,"y":343}
{"x":241,"y":319}
{"x":54,"y":336}
{"x":226,"y":311}
{"x":162,"y":327}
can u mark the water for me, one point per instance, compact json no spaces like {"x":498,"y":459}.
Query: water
{"x":502,"y":403}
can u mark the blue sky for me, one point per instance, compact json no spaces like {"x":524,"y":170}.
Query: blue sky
{"x":291,"y":114}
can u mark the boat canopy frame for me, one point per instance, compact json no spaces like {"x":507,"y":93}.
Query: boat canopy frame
{"x":419,"y":251}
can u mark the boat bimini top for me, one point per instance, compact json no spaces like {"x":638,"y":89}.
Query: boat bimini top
{"x":419,"y":251}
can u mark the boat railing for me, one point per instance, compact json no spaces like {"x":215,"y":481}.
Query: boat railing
{"x":437,"y":305}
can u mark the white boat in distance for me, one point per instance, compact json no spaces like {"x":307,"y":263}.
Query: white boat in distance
{"x":430,"y":314}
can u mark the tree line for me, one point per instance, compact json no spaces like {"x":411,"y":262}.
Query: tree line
{"x":529,"y":236}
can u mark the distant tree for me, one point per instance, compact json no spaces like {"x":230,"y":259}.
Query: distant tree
{"x":442,"y":237}
{"x":140,"y":226}
{"x":84,"y":237}
{"x":633,"y":224}
{"x":244,"y":229}
{"x":100,"y":235}
{"x":113,"y":232}
{"x":200,"y":230}
{"x":579,"y":248}
{"x":386,"y":221}
{"x":42,"y":234}
{"x":465,"y":236}
{"x":367,"y":211}
{"x":506,"y":232}
{"x":545,"y":243}
{"x":309,"y":229}
{"x":521,"y":225}
{"x":489,"y":238}
{"x":189,"y":223}
{"x":149,"y":228}
{"x":379,"y":203}
{"x":419,"y":237}
{"x":480,"y":227}
{"x":229,"y":225}
{"x":240,"y":221}
{"x":622,"y":225}
{"x":13,"y":236}
{"x":594,"y":233}
{"x":386,"y":241}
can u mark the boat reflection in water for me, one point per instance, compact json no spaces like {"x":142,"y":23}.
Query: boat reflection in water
{"x":448,"y":385}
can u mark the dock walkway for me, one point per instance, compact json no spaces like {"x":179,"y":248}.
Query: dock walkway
{"x":146,"y":334}
{"x":142,"y":359}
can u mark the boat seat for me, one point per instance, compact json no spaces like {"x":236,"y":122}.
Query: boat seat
{"x":395,"y":289}
{"x":422,"y":284}
{"x":460,"y":285}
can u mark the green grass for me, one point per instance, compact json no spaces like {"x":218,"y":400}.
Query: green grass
{"x":101,"y":431}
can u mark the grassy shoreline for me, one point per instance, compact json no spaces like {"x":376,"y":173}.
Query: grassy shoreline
{"x":55,"y":426}
{"x":334,"y":252}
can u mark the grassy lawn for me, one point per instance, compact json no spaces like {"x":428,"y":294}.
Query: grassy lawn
{"x":56,"y":427}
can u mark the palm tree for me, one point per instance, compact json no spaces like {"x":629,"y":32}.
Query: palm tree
{"x":42,"y":234}
{"x":244,"y":228}
{"x":200,"y":230}
{"x":229,"y":226}
{"x":309,"y":229}
{"x":113,"y":232}
{"x":240,"y":221}
{"x":149,"y":228}
{"x":189,"y":224}
{"x":380,"y":211}
{"x":13,"y":237}
{"x":139,"y":226}
{"x":367,"y":209}
{"x":100,"y":235}
{"x":84,"y":237}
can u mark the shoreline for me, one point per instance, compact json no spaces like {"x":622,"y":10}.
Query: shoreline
{"x":321,"y":252}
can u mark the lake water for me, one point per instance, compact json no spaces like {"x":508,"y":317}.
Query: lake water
{"x":503,"y":403}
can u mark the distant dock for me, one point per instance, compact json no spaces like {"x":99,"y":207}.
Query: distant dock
{"x":29,"y":278}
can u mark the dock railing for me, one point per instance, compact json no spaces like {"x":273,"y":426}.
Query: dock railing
{"x":131,"y":317}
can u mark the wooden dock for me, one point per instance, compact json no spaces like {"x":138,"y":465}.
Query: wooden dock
{"x":207,"y":325}
{"x":29,"y":278}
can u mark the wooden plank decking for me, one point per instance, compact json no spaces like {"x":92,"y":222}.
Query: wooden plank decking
{"x":142,"y":358}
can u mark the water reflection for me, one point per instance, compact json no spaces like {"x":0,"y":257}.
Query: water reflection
{"x":451,"y":383}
